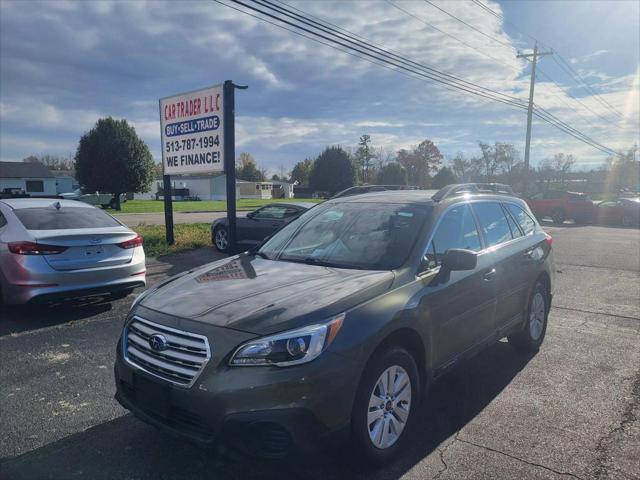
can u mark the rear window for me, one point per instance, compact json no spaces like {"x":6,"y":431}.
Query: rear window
{"x":48,"y":218}
{"x":524,"y":220}
{"x":493,"y":223}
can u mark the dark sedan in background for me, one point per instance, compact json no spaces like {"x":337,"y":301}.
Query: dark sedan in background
{"x":621,"y":211}
{"x":257,"y":225}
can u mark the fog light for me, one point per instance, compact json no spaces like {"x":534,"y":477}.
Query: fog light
{"x":296,"y":346}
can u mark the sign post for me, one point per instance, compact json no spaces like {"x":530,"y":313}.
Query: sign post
{"x":193,"y":142}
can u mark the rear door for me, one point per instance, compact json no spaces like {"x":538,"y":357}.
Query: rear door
{"x":502,"y":235}
{"x":459,"y":305}
{"x":91,"y":237}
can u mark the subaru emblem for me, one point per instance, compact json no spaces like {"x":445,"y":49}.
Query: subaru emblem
{"x":158,"y":342}
{"x":95,"y":241}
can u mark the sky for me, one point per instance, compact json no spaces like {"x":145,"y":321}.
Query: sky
{"x":64,"y":64}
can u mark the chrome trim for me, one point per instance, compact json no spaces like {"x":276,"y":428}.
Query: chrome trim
{"x":178,"y":362}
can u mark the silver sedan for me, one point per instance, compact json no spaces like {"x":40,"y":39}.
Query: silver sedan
{"x":53,"y":249}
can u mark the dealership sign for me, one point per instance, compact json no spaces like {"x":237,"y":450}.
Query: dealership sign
{"x":192,"y":133}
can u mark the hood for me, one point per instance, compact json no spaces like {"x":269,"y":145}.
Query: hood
{"x":264,"y":296}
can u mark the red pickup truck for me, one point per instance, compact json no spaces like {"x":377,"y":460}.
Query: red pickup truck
{"x":561,"y":206}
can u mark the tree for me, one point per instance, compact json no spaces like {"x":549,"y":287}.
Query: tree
{"x":112,"y":158}
{"x":561,"y":165}
{"x":275,"y":177}
{"x":363,"y":157}
{"x":300,"y":172}
{"x":52,"y":162}
{"x":461,"y":167}
{"x":332,"y":171}
{"x":420,"y":161}
{"x":624,"y":172}
{"x":392,"y":174}
{"x":247,"y":169}
{"x":443,"y":178}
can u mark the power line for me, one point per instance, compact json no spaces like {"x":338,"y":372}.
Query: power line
{"x":579,"y":80}
{"x":566,"y":67}
{"x":377,"y":57}
{"x":469,"y":25}
{"x":447,"y":34}
{"x":378,"y":53}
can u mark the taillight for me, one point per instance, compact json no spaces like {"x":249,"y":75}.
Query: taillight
{"x":548,"y":239}
{"x":33,"y":248}
{"x":134,"y":242}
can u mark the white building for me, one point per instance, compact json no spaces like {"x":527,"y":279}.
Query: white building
{"x":33,"y":178}
{"x":215,"y":188}
{"x":65,"y":181}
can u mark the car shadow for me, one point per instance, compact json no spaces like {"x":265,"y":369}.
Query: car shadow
{"x":20,"y":318}
{"x":127,"y":448}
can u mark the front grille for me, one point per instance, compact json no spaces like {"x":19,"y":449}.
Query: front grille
{"x":180,"y":363}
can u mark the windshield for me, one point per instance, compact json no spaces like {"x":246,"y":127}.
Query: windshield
{"x":350,"y":235}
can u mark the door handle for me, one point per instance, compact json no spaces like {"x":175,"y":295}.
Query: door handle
{"x":490,"y":275}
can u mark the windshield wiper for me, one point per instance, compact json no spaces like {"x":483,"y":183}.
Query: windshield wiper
{"x":320,"y":263}
{"x":263,"y":255}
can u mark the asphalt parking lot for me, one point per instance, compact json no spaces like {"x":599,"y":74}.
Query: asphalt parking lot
{"x":573,"y":410}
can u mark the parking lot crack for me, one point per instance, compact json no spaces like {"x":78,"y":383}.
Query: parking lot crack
{"x":593,"y":312}
{"x":533,"y":464}
{"x":441,"y":452}
{"x":615,"y":435}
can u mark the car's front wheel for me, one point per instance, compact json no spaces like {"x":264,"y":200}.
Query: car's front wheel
{"x":385,"y":406}
{"x":221,"y":239}
{"x":627,"y":221}
{"x":531,"y":336}
{"x":558,"y":216}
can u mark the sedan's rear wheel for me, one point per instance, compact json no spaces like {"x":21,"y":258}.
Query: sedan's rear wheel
{"x":385,"y":406}
{"x":221,"y":239}
{"x":558,"y":216}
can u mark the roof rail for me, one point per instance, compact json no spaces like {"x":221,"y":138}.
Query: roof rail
{"x":462,"y":188}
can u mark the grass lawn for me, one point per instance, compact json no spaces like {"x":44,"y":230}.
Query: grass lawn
{"x":186,"y":237}
{"x":147,"y":206}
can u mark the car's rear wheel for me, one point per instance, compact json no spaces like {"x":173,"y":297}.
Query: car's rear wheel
{"x":531,"y":336}
{"x":558,"y":216}
{"x":221,"y":239}
{"x":627,"y":221}
{"x":385,"y":406}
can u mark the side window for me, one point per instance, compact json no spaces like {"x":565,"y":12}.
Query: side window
{"x":493,"y":222}
{"x":291,"y":212}
{"x":457,"y":229}
{"x":515,"y":230}
{"x":526,"y":223}
{"x":3,"y":221}
{"x":275,"y":212}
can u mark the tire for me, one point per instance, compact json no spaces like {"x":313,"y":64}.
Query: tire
{"x":373,"y":447}
{"x":121,"y":294}
{"x":532,"y":334}
{"x":558,"y":216}
{"x":105,"y":206}
{"x":627,"y":221}
{"x":221,"y":239}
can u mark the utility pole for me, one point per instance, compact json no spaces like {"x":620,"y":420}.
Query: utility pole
{"x":534,"y":59}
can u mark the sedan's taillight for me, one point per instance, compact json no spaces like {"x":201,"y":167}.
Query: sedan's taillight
{"x":134,"y":242}
{"x":548,"y":239}
{"x":33,"y":248}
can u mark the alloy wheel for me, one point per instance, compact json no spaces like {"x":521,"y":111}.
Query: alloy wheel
{"x":536,"y":316}
{"x":389,"y":407}
{"x":221,"y":239}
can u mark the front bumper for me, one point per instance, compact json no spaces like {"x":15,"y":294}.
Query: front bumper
{"x":266,"y":411}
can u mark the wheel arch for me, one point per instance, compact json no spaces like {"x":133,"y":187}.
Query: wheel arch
{"x":412,"y":341}
{"x":545,"y":279}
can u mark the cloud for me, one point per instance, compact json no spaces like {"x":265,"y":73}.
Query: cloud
{"x":63,"y":65}
{"x":588,"y":57}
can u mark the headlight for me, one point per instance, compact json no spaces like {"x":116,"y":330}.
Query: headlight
{"x":288,"y":348}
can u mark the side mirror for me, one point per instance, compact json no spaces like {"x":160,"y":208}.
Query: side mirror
{"x":459,"y":259}
{"x":250,"y":215}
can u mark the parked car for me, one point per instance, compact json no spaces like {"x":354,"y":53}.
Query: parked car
{"x":105,"y":200}
{"x":561,"y":206}
{"x":257,"y":225}
{"x":338,"y":323}
{"x":621,"y":211}
{"x":358,"y":189}
{"x":52,"y":249}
